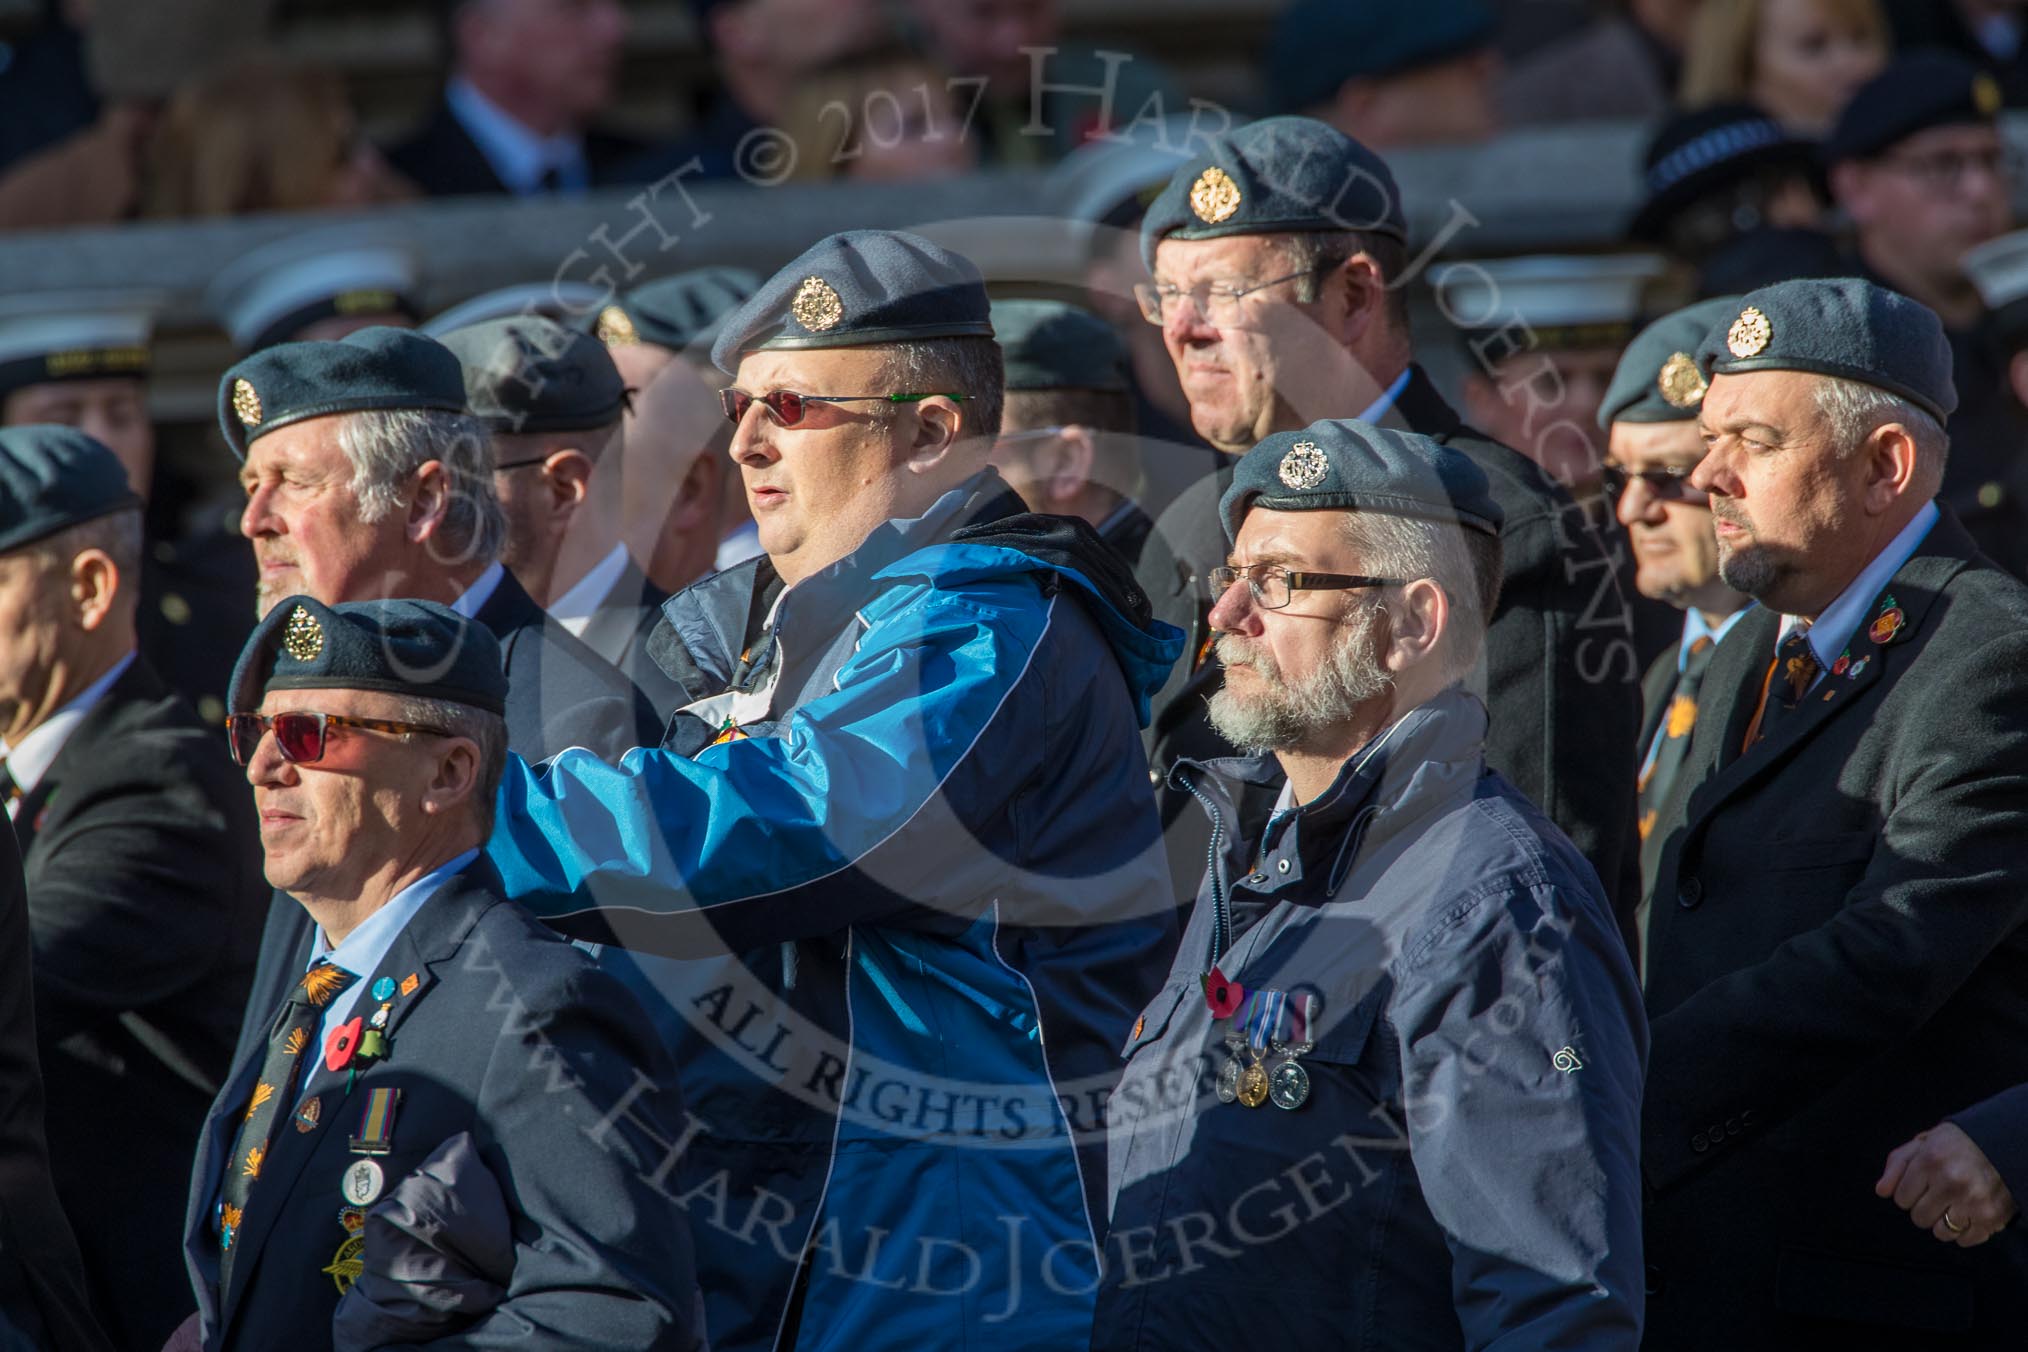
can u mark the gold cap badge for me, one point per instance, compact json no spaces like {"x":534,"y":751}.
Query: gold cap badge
{"x":246,"y":403}
{"x":1304,"y":467}
{"x":1214,"y":196}
{"x":302,"y":636}
{"x":1749,"y":333}
{"x":816,"y":306}
{"x":1986,"y":95}
{"x":1680,"y":382}
{"x":615,"y":328}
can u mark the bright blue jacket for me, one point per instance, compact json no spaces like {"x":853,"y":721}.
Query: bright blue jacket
{"x":920,"y":899}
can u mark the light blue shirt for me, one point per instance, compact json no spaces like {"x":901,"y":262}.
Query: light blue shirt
{"x":366,"y":946}
{"x":1832,"y":633}
{"x":480,"y":592}
{"x":1695,"y":626}
{"x":1387,"y":398}
{"x":517,"y":155}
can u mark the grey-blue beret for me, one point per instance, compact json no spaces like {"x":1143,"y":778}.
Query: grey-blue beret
{"x":530,"y":374}
{"x":377,"y":368}
{"x":1276,"y":176}
{"x":1052,"y":345}
{"x":54,"y":477}
{"x":857,"y":289}
{"x":416,"y":648}
{"x":1317,"y":45}
{"x":674,"y":312}
{"x":1344,"y":464}
{"x":1837,"y":326}
{"x":1657,"y":379}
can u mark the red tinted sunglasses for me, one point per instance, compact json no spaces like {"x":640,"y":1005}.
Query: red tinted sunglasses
{"x":301,"y":736}
{"x":789,"y":408}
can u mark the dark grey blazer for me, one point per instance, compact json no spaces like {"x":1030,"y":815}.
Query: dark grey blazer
{"x":515,"y":1036}
{"x":618,"y":632}
{"x":1837,"y":961}
{"x":144,"y":881}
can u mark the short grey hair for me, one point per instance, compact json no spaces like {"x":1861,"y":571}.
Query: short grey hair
{"x":972,"y":367}
{"x":1854,"y":409}
{"x":488,"y":730}
{"x":1464,"y":562}
{"x":1316,"y":252}
{"x":116,"y":534}
{"x":386,"y":446}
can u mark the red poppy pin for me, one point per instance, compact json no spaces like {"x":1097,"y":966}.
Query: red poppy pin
{"x":1223,"y":996}
{"x":1844,"y":661}
{"x":344,"y":1040}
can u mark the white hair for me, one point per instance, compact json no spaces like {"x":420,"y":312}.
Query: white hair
{"x":1465,"y":563}
{"x":386,"y":446}
{"x":1854,"y":409}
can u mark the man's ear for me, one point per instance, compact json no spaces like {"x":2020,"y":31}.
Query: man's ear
{"x":1891,"y":464}
{"x":429,"y":500}
{"x":2017,"y":376}
{"x":456,"y":776}
{"x":1416,"y":624}
{"x":567,"y":475}
{"x":1070,"y":458}
{"x":700,"y":496}
{"x":1361,"y":292}
{"x":939,"y":424}
{"x":94,"y":582}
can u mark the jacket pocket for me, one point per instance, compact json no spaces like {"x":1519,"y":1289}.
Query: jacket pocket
{"x":1343,"y":1037}
{"x":1807,"y":852}
{"x":1155,"y":1019}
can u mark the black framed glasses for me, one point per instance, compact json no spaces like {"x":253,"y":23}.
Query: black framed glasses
{"x":1669,"y":483}
{"x":1273,"y":586}
{"x":301,"y":736}
{"x":1219,"y":304}
{"x":790,"y":407}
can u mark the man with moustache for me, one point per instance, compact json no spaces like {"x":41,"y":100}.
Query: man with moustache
{"x":1393,"y":1081}
{"x":1280,"y":266}
{"x":1652,"y":444}
{"x":1837,"y":957}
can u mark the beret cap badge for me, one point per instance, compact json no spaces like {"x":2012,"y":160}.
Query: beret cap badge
{"x":816,"y":306}
{"x":615,"y":328}
{"x":1679,"y":381}
{"x":1986,"y":96}
{"x":1214,"y":196}
{"x":1749,"y":333}
{"x":1304,"y":467}
{"x":246,"y":402}
{"x":303,"y":638}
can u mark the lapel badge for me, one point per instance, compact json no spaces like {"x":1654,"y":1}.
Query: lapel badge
{"x":346,"y":1265}
{"x":1680,"y":382}
{"x":246,"y":402}
{"x":1858,"y":667}
{"x":307,"y":1115}
{"x":615,"y":329}
{"x":1567,"y":1061}
{"x":302,"y":637}
{"x":1304,"y":467}
{"x":1749,"y":333}
{"x":383,"y":989}
{"x":1844,"y":661}
{"x":409,"y":983}
{"x":1986,"y":95}
{"x":344,"y":1041}
{"x":1887,"y":625}
{"x":1214,"y":196}
{"x":816,"y":306}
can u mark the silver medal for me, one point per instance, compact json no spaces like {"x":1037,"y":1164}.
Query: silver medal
{"x":1289,"y":1086}
{"x":1228,"y":1077}
{"x":362,"y":1182}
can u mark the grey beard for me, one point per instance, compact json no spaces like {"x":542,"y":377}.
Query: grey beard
{"x":1287,"y":717}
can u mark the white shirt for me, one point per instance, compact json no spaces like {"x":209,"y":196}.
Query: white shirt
{"x":480,"y":592}
{"x":38,"y":750}
{"x":366,"y":947}
{"x":1832,"y":633}
{"x":575,"y":608}
{"x":518,"y":156}
{"x":1694,"y":627}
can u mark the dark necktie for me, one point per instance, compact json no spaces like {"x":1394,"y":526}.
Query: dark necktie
{"x":1795,"y":666}
{"x":10,"y":792}
{"x":550,"y":181}
{"x":1674,"y":734}
{"x":289,"y":1047}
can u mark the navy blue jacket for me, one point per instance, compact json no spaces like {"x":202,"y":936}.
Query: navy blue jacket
{"x":515,"y":1037}
{"x":1465,"y":1171}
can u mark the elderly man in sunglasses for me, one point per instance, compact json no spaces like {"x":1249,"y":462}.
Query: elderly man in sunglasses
{"x":446,"y":1127}
{"x":1653,"y":442}
{"x":903,"y":825}
{"x":1393,"y":1082}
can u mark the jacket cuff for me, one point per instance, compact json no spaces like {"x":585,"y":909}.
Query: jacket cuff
{"x":1999,"y":1126}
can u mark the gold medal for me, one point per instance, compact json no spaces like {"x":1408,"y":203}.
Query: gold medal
{"x":1253,"y":1085}
{"x":346,"y":1264}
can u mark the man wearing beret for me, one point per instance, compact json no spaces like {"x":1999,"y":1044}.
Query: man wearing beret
{"x":1652,"y":444}
{"x":1388,"y":75}
{"x":1837,"y":956}
{"x":1918,"y":163}
{"x":144,"y":889}
{"x":554,"y":403}
{"x":1393,"y":1082}
{"x":1279,"y":264}
{"x":681,"y":497}
{"x":366,"y":478}
{"x":1067,"y":442}
{"x":903,"y":824}
{"x":450,"y":1100}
